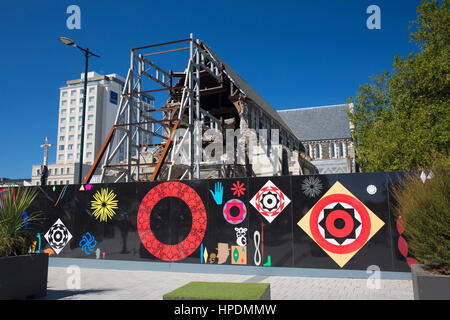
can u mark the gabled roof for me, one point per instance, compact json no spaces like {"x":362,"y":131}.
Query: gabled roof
{"x":249,"y":91}
{"x":318,"y":123}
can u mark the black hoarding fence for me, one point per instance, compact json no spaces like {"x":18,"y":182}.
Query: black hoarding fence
{"x":342,"y":221}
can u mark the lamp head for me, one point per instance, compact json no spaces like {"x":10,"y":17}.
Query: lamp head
{"x":67,"y":41}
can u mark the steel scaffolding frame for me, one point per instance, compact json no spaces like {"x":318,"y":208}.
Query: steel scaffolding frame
{"x":134,"y":121}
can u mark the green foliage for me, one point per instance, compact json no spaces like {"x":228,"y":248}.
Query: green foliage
{"x":219,"y":291}
{"x":403,"y":116}
{"x":424,"y":208}
{"x":15,"y":239}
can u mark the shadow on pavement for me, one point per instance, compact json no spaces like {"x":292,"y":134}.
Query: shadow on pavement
{"x":61,"y":294}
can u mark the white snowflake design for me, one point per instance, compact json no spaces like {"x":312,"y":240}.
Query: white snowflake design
{"x":312,"y":187}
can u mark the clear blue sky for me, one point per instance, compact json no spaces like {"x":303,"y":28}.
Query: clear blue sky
{"x":294,"y":53}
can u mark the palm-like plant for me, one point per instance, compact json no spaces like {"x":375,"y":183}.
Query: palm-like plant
{"x":16,"y":236}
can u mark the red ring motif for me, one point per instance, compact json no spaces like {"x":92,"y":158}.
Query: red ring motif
{"x":192,"y":241}
{"x":339,"y":214}
{"x":258,"y":201}
{"x":365,"y":224}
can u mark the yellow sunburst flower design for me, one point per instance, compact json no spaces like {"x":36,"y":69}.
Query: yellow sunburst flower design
{"x":104,"y":204}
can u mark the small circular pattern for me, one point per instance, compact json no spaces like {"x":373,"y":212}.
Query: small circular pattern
{"x":58,"y":236}
{"x":227,"y":211}
{"x":371,"y":189}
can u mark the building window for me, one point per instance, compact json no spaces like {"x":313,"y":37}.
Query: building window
{"x":61,"y":157}
{"x":71,"y":138}
{"x":89,"y":135}
{"x":91,"y":108}
{"x":72,"y":101}
{"x":92,"y":90}
{"x":61,"y":147}
{"x":62,"y":129}
{"x":64,"y":103}
{"x":71,"y":128}
{"x":91,"y":99}
{"x":317,"y":150}
{"x":332,"y":151}
{"x":88,"y":154}
{"x":61,"y":138}
{"x":38,"y":172}
{"x":72,"y":119}
{"x":90,"y":117}
{"x":70,"y":147}
{"x":73,"y":93}
{"x":63,"y":120}
{"x":90,"y":126}
{"x":68,"y":171}
{"x":72,"y":110}
{"x":64,"y":94}
{"x":341,"y":149}
{"x":89,"y":145}
{"x":63,"y":112}
{"x":70,"y":156}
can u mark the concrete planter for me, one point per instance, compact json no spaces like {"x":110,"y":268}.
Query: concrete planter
{"x":23,"y":276}
{"x":429,"y":286}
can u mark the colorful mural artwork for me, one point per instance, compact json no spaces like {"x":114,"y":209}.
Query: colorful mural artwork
{"x":104,"y":204}
{"x":223,"y":252}
{"x":238,"y":189}
{"x":339,"y":221}
{"x":49,"y":251}
{"x":4,"y":194}
{"x":402,"y":244}
{"x":195,"y":204}
{"x":340,"y":224}
{"x":87,"y":243}
{"x":218,"y":193}
{"x":241,"y":240}
{"x":270,"y":201}
{"x":312,"y":187}
{"x":212,"y":258}
{"x":257,"y":241}
{"x":239,"y":255}
{"x":241,"y":208}
{"x":61,"y":195}
{"x":58,"y":236}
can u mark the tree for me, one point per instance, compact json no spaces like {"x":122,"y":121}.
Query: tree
{"x":403,"y":116}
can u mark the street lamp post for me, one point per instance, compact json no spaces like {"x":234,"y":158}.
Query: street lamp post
{"x":87,"y":54}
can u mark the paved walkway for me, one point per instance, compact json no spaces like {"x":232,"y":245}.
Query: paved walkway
{"x":113,"y":284}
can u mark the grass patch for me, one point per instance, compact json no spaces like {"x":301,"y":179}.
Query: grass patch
{"x":219,"y":291}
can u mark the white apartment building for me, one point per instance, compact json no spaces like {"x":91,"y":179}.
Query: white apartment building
{"x":103,"y":95}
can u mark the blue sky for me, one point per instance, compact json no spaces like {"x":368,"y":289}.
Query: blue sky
{"x":294,"y":53}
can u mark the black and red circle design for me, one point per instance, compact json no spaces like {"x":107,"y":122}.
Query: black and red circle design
{"x":340,"y":223}
{"x":270,"y":201}
{"x":186,"y":247}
